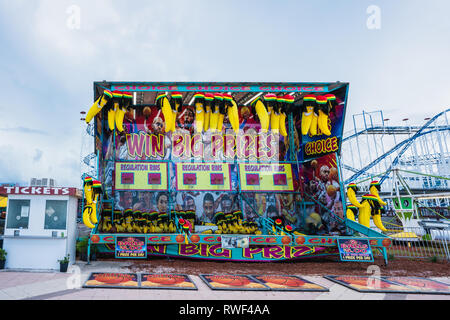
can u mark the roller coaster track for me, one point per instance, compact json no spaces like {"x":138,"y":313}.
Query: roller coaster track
{"x":402,"y":146}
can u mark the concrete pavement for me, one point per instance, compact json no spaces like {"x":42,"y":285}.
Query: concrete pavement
{"x":22,"y":284}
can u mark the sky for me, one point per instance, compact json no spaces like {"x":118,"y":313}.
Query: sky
{"x":394,"y":54}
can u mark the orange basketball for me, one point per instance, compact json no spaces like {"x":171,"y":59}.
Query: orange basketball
{"x":334,"y":174}
{"x":331,"y":190}
{"x":95,"y":238}
{"x":195,"y":238}
{"x":286,"y":240}
{"x":179,"y":238}
{"x":147,"y":111}
{"x":300,"y":240}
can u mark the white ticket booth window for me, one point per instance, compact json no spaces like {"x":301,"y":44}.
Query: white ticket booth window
{"x":40,"y":227}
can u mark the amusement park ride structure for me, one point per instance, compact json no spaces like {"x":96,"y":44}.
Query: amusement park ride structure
{"x":411,"y":162}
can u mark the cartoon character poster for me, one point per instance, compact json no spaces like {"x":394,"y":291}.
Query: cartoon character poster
{"x":320,"y":183}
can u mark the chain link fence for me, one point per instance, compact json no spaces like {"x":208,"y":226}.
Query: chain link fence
{"x":421,"y":243}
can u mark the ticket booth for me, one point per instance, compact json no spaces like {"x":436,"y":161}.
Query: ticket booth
{"x":40,"y":226}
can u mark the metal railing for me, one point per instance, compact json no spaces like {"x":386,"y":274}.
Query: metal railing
{"x":421,"y":243}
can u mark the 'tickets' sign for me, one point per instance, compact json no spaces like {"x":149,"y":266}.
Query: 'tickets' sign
{"x":355,"y":250}
{"x":52,"y":191}
{"x":131,"y":247}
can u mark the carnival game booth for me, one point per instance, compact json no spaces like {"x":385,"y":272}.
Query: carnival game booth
{"x":225,"y":171}
{"x":40,"y":226}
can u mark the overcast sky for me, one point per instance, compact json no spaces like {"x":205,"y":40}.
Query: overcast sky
{"x":396,"y":60}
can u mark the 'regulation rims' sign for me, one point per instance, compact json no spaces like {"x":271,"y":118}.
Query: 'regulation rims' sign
{"x":203,"y":176}
{"x":141,"y":176}
{"x":266,"y":177}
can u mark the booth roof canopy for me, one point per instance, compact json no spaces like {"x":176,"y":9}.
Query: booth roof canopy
{"x":145,"y":92}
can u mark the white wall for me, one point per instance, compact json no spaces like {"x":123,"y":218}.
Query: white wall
{"x":35,"y":248}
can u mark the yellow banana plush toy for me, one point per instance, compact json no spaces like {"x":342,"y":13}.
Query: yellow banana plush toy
{"x":322,"y":119}
{"x":263,"y":116}
{"x":126,"y":100}
{"x":325,"y":113}
{"x":370,"y":205}
{"x":271,"y":102}
{"x":88,"y":207}
{"x":351,"y":195}
{"x":352,"y":212}
{"x":102,"y":101}
{"x":96,"y":192}
{"x":209,"y":100}
{"x":115,"y":105}
{"x":163,"y":104}
{"x":232,"y":111}
{"x":309,"y":103}
{"x":177,"y":105}
{"x":222,"y":111}
{"x":364,"y":213}
{"x":373,"y":189}
{"x":214,"y":117}
{"x":199,"y":100}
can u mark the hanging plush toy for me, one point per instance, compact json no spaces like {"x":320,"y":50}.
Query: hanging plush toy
{"x":126,"y":100}
{"x":96,"y":192}
{"x":222,"y":111}
{"x":88,"y":207}
{"x":102,"y":101}
{"x":163,"y":104}
{"x":309,"y":103}
{"x":323,"y":109}
{"x":352,"y":212}
{"x":375,"y":186}
{"x":177,"y":105}
{"x":199,"y":100}
{"x":325,"y":113}
{"x":321,"y":101}
{"x":369,"y":206}
{"x":214,"y":117}
{"x":260,"y":109}
{"x":209,"y":100}
{"x":116,"y":100}
{"x":271,"y":103}
{"x":351,"y":195}
{"x":232,"y":111}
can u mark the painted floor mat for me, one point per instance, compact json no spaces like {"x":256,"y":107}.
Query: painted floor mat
{"x":422,"y":285}
{"x":289,"y":283}
{"x":232,"y":282}
{"x":370,"y":284}
{"x":112,"y":280}
{"x":166,"y":281}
